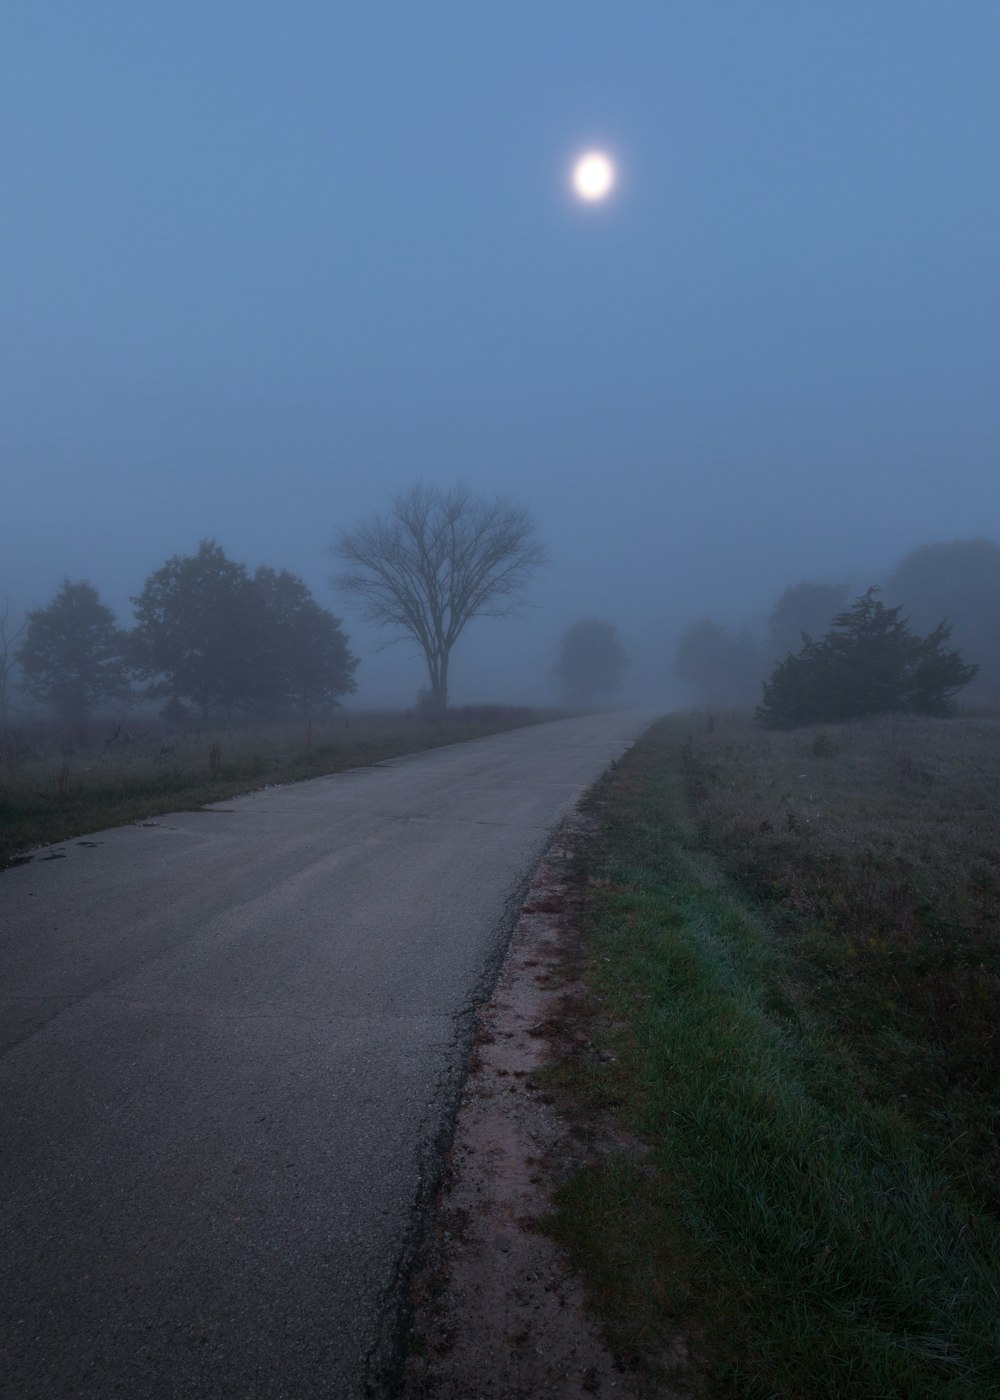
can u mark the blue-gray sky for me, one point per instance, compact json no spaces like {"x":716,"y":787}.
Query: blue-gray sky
{"x":264,"y":264}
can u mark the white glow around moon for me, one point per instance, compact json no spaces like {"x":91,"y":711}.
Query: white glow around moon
{"x":593,"y":175}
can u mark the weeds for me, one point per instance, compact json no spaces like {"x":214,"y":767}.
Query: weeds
{"x":54,"y":785}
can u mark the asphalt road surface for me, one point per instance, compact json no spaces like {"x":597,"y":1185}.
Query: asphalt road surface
{"x":230,"y":1045}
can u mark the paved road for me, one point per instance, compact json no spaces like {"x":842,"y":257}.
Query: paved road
{"x":230,"y":1047}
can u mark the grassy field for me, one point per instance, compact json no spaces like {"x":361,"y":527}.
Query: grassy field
{"x":55,"y":784}
{"x":793,"y":954}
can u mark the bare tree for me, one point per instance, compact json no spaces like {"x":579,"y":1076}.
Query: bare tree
{"x":433,"y":562}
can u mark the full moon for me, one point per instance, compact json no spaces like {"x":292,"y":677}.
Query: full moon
{"x":593,"y":175}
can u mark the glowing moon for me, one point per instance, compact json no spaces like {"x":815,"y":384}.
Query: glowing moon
{"x":593,"y":175}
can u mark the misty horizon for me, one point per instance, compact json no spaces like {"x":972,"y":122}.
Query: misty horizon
{"x":265,"y":272}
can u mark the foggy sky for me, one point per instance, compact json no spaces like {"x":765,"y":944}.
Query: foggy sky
{"x":264,"y":265}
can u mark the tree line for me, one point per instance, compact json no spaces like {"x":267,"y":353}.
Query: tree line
{"x":820,"y":659}
{"x":209,"y":637}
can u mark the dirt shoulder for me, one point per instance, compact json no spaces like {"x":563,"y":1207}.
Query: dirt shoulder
{"x":496,"y":1313}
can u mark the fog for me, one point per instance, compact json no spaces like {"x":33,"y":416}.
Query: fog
{"x":265,"y":266}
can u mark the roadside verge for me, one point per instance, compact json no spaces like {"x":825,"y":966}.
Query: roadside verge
{"x":497,"y":1312}
{"x":754,"y":1200}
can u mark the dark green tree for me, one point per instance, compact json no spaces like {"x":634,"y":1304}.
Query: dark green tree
{"x":73,"y":654}
{"x":869,"y":663}
{"x":724,"y":665}
{"x":591,"y":660}
{"x":305,"y":662}
{"x":805,"y":607}
{"x":200,"y":626}
{"x":960,"y":582}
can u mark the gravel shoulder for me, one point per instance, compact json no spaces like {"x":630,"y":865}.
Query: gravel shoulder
{"x":497,"y":1315}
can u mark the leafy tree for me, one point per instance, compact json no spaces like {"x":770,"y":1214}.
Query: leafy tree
{"x":724,"y":665}
{"x":591,"y":660}
{"x":305,"y":660}
{"x":432,"y":563}
{"x":73,"y":653}
{"x":199,"y":630}
{"x":958,"y":581}
{"x":868,"y":663}
{"x":806,"y":607}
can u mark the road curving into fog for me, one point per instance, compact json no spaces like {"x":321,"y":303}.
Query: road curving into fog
{"x":230,"y":1043}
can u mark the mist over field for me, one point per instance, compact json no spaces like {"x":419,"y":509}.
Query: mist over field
{"x":499,"y":698}
{"x":265,"y":268}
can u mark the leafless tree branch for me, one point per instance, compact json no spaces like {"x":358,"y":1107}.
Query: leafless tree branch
{"x":433,"y":562}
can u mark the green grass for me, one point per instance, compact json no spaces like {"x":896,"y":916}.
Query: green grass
{"x":55,"y":785}
{"x":812,"y":1236}
{"x":876,"y":854}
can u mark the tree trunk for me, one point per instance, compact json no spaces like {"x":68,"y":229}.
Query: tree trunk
{"x":442,"y":695}
{"x":437,"y":674}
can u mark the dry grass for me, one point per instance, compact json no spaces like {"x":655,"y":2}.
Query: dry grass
{"x":57,"y":783}
{"x":879,"y":844}
{"x":791,"y":954}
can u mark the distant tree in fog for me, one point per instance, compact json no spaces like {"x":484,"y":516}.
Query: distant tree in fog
{"x":591,"y":660}
{"x":868,"y":663}
{"x":209,"y":633}
{"x":724,"y":665}
{"x":305,"y":663}
{"x":957,"y":582}
{"x":198,"y":628}
{"x":432,"y":562}
{"x":9,"y":636}
{"x":72,"y":656}
{"x":806,"y":607}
